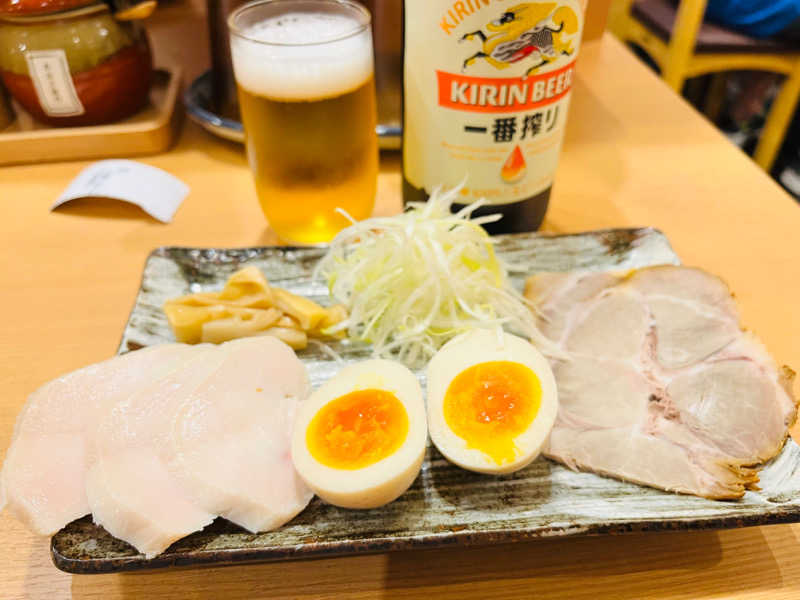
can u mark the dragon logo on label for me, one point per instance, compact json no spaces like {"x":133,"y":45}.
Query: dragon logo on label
{"x":540,"y":31}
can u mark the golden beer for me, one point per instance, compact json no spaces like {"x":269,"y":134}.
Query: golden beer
{"x":307,"y":99}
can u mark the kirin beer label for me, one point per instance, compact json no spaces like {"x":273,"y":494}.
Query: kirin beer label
{"x":487,"y":88}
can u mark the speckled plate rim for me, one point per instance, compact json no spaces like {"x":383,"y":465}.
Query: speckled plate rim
{"x":381,"y":545}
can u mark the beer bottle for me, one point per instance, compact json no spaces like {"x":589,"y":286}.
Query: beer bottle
{"x":486,"y":91}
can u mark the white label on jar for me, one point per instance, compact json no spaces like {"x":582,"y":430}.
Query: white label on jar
{"x":49,"y":71}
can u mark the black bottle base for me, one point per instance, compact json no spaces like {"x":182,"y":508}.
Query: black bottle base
{"x":525,"y":215}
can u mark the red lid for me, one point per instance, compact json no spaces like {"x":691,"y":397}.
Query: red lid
{"x":40,"y":7}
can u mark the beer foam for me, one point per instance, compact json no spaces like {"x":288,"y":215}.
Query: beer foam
{"x":302,"y":56}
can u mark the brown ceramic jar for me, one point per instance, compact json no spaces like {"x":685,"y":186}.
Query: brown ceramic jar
{"x":73,"y":67}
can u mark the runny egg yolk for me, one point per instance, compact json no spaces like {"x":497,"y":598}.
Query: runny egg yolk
{"x":491,"y":403}
{"x":357,"y":429}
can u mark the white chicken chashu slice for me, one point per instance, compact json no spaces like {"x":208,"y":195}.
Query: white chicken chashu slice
{"x":129,"y":490}
{"x":158,"y":442}
{"x":43,"y":476}
{"x":210,"y":439}
{"x":230,"y":438}
{"x":662,"y":386}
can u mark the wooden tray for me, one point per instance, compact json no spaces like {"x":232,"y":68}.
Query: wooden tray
{"x":149,"y":131}
{"x":446,"y":506}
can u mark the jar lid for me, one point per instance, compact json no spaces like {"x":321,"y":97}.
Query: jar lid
{"x":40,"y":7}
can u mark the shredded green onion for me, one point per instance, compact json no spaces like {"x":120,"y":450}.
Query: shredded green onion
{"x":413,"y":281}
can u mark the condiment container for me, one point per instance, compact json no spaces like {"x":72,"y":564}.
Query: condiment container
{"x":73,"y":67}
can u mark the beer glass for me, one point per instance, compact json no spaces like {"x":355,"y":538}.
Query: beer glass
{"x":304,"y":74}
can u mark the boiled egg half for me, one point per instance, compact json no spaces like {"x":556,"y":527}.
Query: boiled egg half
{"x":359,"y":440}
{"x":492,"y":401}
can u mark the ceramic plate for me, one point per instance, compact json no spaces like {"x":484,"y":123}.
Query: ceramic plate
{"x":446,"y":506}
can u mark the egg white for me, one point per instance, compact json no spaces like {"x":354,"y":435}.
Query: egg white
{"x":383,"y":481}
{"x":475,"y":347}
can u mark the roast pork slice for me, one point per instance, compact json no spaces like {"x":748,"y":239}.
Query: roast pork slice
{"x":554,"y":292}
{"x":43,"y":476}
{"x":737,"y":404}
{"x":660,"y":385}
{"x":612,"y":325}
{"x":634,"y":456}
{"x":693,"y":312}
{"x":595,"y":393}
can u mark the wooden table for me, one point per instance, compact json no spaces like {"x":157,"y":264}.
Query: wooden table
{"x":635,"y":155}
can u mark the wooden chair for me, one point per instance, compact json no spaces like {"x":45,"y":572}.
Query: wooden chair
{"x":684,"y":46}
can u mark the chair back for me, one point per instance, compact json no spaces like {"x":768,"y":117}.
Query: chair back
{"x":682,"y":41}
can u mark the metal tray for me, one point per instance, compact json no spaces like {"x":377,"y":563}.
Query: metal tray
{"x":197,"y":100}
{"x":446,"y":506}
